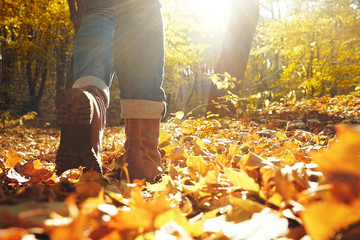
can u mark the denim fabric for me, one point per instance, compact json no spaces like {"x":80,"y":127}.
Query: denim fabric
{"x":93,"y":48}
{"x":127,"y":34}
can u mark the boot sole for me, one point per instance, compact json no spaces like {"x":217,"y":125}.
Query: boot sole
{"x":74,"y":114}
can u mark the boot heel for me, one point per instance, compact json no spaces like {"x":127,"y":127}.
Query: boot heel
{"x":88,"y":160}
{"x":74,"y":107}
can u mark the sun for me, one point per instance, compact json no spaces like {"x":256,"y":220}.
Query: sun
{"x":213,"y":6}
{"x":214,"y":9}
{"x":214,"y":13}
{"x":211,"y":15}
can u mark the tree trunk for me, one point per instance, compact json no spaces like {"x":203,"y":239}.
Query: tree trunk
{"x":60,"y":70}
{"x":236,"y":49}
{"x":36,"y":99}
{"x":7,"y":62}
{"x":76,"y":13}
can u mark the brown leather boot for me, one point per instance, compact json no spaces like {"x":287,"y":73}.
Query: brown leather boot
{"x":142,"y":156}
{"x":81,"y":114}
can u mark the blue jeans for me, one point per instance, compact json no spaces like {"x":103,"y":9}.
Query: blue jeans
{"x":126,"y":36}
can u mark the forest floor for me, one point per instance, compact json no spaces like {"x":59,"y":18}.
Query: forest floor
{"x":288,"y":171}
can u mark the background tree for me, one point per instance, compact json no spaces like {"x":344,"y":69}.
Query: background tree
{"x":309,"y":48}
{"x":33,"y":32}
{"x":312,"y":48}
{"x":236,"y":49}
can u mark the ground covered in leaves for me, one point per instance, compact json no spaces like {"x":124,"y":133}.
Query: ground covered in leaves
{"x":279,"y":173}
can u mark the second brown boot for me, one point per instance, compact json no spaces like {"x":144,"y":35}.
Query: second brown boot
{"x":142,"y":156}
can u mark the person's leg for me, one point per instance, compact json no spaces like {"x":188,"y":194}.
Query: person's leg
{"x":81,"y":110}
{"x":139,"y":64}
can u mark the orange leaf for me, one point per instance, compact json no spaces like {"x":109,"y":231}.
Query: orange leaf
{"x":136,"y":218}
{"x":28,"y":170}
{"x":343,"y":155}
{"x":322,"y":219}
{"x":13,"y":158}
{"x":198,"y":164}
{"x":12,"y":233}
{"x":76,"y":230}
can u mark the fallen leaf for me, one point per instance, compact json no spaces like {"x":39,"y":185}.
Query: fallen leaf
{"x":343,"y":155}
{"x":74,"y":231}
{"x":323,"y":219}
{"x":265,"y":225}
{"x":13,"y":233}
{"x":175,"y":215}
{"x":197,"y":164}
{"x":241,"y":179}
{"x":13,"y":158}
{"x":242,"y":210}
{"x":132,"y":219}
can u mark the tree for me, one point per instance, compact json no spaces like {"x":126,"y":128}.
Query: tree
{"x":32,"y":34}
{"x":236,"y":48}
{"x":312,"y":49}
{"x":182,"y":55}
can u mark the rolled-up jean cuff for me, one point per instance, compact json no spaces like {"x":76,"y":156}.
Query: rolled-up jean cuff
{"x":93,"y":81}
{"x":142,"y":109}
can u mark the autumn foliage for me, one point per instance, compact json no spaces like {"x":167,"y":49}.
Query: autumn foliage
{"x":281,"y":172}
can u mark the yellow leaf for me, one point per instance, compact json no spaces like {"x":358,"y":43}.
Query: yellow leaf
{"x":164,"y":137}
{"x":179,"y":115}
{"x":200,"y":147}
{"x":281,"y":136}
{"x":241,"y":179}
{"x":168,"y":149}
{"x":212,"y":177}
{"x":287,"y":157}
{"x":37,"y":164}
{"x":175,"y":215}
{"x":198,"y":164}
{"x":13,"y":158}
{"x":159,"y":187}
